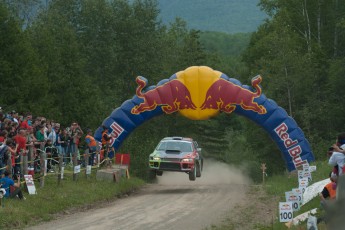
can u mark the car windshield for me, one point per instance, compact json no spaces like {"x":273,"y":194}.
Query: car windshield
{"x":175,"y":146}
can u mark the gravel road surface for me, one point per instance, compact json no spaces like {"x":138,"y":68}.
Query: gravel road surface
{"x":173,"y":202}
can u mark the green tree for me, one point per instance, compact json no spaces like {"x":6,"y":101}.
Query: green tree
{"x":21,"y":77}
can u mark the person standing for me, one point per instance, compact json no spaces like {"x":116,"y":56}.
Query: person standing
{"x":26,"y":123}
{"x":11,"y":148}
{"x":20,"y":139}
{"x":92,"y":144}
{"x":337,"y":158}
{"x":76,"y":134}
{"x":105,"y":142}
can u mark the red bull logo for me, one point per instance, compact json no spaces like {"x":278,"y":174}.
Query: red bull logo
{"x":285,"y":207}
{"x":172,"y":96}
{"x":225,"y":95}
{"x":198,"y":93}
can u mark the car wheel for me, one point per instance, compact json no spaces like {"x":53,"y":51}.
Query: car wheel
{"x":152,"y":174}
{"x":198,"y":170}
{"x":192,"y":174}
{"x":159,"y":173}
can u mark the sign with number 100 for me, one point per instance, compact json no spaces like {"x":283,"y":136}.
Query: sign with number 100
{"x":285,"y":211}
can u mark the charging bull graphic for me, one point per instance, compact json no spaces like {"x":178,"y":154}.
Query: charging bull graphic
{"x":225,"y":95}
{"x":199,"y":93}
{"x":176,"y":97}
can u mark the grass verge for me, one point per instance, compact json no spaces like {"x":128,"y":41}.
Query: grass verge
{"x":274,"y":191}
{"x":54,"y":199}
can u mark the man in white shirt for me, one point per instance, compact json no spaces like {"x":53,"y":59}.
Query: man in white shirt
{"x":338,"y":156}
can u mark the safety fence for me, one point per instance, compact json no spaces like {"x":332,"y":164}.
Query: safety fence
{"x":48,"y":161}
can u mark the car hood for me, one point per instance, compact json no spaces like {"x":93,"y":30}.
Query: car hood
{"x":170,"y":154}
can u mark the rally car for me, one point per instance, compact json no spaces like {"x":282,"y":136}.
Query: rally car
{"x":178,"y":154}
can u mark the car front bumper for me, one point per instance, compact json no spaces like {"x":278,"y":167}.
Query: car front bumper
{"x":172,"y":165}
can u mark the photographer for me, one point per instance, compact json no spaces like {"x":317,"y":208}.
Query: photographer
{"x":7,"y":182}
{"x":338,"y":158}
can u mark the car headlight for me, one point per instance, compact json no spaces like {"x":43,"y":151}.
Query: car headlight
{"x":156,"y":158}
{"x":187,"y":160}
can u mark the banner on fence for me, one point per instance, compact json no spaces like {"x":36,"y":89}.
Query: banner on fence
{"x":29,"y":181}
{"x":88,"y":169}
{"x":77,"y":169}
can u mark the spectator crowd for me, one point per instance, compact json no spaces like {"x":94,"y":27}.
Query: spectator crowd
{"x":28,"y":135}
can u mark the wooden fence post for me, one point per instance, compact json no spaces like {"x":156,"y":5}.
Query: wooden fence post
{"x":24,"y":163}
{"x":43,"y":157}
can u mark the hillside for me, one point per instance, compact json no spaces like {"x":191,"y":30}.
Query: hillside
{"x":229,"y":16}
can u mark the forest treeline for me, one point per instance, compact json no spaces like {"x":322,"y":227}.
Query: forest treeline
{"x":78,"y":60}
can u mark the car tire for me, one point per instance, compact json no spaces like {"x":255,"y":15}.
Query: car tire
{"x":198,"y":170}
{"x":192,"y":174}
{"x":159,"y":173}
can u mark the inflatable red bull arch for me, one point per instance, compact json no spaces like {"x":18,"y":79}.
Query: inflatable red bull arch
{"x":200,"y":93}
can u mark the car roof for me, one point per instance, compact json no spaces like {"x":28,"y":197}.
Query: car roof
{"x":178,"y":138}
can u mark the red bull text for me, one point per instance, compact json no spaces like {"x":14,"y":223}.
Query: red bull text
{"x":294,"y":152}
{"x":117,"y":130}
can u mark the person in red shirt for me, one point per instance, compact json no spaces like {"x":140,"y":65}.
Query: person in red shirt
{"x":26,"y":123}
{"x":20,"y":139}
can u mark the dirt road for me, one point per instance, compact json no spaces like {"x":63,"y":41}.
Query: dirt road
{"x":173,"y":202}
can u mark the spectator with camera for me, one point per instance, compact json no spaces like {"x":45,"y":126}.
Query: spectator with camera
{"x":7,"y":182}
{"x":337,"y":158}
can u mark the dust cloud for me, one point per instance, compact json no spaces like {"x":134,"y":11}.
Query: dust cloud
{"x":214,"y":172}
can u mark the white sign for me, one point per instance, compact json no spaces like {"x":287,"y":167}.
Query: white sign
{"x":312,"y":168}
{"x":62,"y":171}
{"x":45,"y":167}
{"x":294,"y":199}
{"x":88,"y":169}
{"x":285,"y":211}
{"x":30,"y":184}
{"x":306,"y":170}
{"x":304,"y":174}
{"x":77,"y":169}
{"x":299,"y":194}
{"x":303,"y":184}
